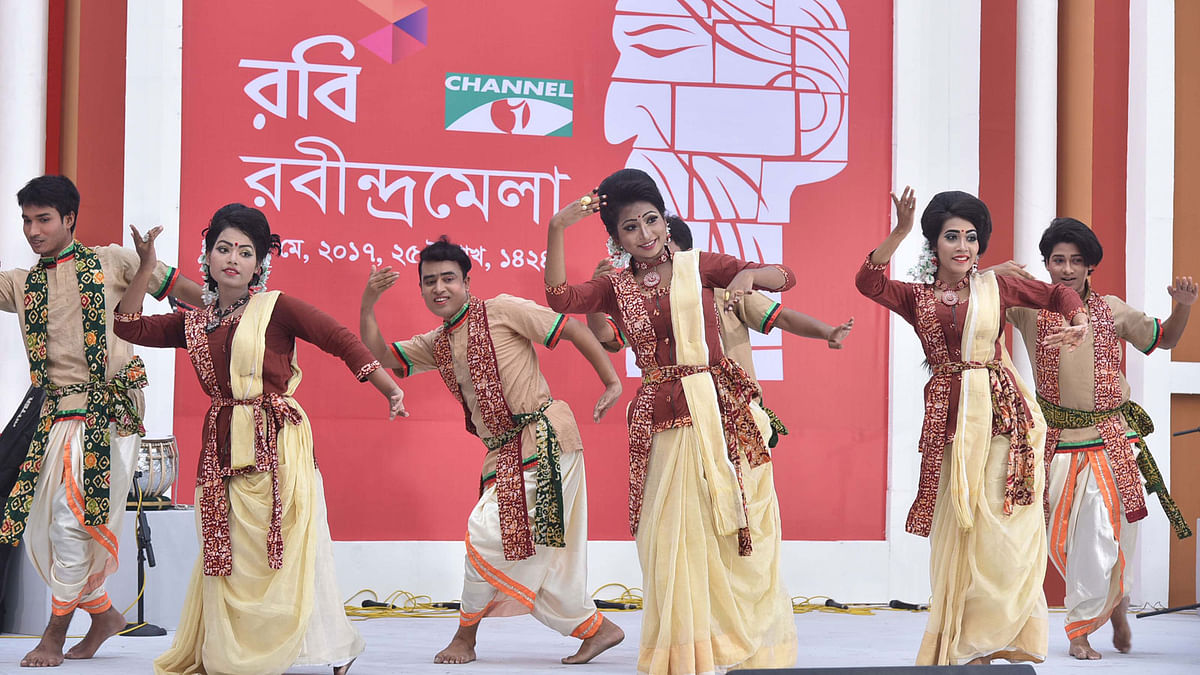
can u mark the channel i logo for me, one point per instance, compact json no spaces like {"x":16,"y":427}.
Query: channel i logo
{"x":498,"y":104}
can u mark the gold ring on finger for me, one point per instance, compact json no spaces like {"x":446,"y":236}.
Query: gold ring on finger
{"x":585,"y":200}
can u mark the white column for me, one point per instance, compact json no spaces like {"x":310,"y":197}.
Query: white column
{"x":23,"y":128}
{"x":1035,"y":190}
{"x":935,"y":136}
{"x":1149,"y":246}
{"x":153,"y":107}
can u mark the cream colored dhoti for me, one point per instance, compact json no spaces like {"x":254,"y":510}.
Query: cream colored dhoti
{"x":1091,"y":542}
{"x":75,"y":559}
{"x":551,"y":585}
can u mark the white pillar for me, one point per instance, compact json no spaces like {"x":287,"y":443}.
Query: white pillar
{"x":1035,"y":190}
{"x":154,"y":73}
{"x":1149,"y":246}
{"x":935,"y":136}
{"x":23,"y":128}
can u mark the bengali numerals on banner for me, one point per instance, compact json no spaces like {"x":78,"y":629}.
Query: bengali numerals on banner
{"x":352,"y":251}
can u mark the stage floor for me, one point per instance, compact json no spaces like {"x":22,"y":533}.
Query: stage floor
{"x":1162,"y":645}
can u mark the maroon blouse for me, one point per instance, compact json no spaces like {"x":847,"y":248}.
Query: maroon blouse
{"x":898,"y":296}
{"x":291,"y":319}
{"x":717,"y":270}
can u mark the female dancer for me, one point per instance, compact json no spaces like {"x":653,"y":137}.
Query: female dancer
{"x":263,"y":595}
{"x":982,"y":476}
{"x":702,"y":501}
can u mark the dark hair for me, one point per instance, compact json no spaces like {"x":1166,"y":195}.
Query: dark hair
{"x":444,"y":251}
{"x":623,"y":188}
{"x":247,"y":219}
{"x":1071,"y":231}
{"x":681,"y":233}
{"x":57,"y":192}
{"x":951,"y":204}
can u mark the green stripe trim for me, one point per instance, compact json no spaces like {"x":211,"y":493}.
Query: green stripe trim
{"x":458,"y":318}
{"x":168,"y":283}
{"x":1156,"y":340}
{"x":525,"y":464}
{"x":405,"y":362}
{"x":555,"y":332}
{"x":619,"y":339}
{"x":768,"y":321}
{"x":81,"y":412}
{"x":1097,"y":443}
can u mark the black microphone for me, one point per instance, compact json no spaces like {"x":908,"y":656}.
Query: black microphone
{"x":609,"y":604}
{"x":830,"y":602}
{"x":898,"y":604}
{"x":372,"y":603}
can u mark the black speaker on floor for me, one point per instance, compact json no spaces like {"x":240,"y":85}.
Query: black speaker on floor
{"x":997,"y":669}
{"x":14,"y":444}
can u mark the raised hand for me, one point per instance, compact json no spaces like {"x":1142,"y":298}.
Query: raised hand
{"x":1184,"y":290}
{"x":145,"y":245}
{"x":839,"y":334}
{"x":1010,"y":268}
{"x":607,"y":400}
{"x":906,"y":206}
{"x":578,"y":210}
{"x":379,"y":281}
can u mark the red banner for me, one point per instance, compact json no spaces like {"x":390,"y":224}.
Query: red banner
{"x":366,"y":128}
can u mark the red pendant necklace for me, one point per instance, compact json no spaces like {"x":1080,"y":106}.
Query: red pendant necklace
{"x":949,"y":295}
{"x":652,"y":278}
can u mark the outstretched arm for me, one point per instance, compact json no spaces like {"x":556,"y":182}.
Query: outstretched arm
{"x":799,"y":323}
{"x":368,"y":328}
{"x":587,"y":345}
{"x":1183,"y":292}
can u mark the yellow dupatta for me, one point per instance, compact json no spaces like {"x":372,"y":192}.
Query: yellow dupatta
{"x":973,"y":425}
{"x":691,"y":349}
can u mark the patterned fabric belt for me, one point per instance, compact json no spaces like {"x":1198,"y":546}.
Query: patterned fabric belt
{"x":735,"y":390}
{"x":271,"y":412}
{"x":108,"y":402}
{"x":1010,"y":416}
{"x":549,"y":526}
{"x":1118,"y":450}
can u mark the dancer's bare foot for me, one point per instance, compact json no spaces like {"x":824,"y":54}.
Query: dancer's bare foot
{"x":607,"y":636}
{"x":980,"y":661}
{"x":1122,"y":635}
{"x":104,"y":626}
{"x":1082,"y":650}
{"x":49,"y":652}
{"x":461,"y":648}
{"x":343,"y":669}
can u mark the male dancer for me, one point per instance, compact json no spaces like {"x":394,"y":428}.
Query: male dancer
{"x":69,"y":497}
{"x":532,"y":489}
{"x":1095,"y":495}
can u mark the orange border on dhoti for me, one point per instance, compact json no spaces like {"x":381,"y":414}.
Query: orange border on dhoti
{"x":1112,"y":502}
{"x":100,"y":533}
{"x":588,"y":627}
{"x":498,"y":579}
{"x":1061,"y":520}
{"x":98,"y":606}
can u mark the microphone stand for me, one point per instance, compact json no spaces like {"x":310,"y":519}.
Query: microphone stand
{"x":1181,"y":608}
{"x":145,"y":556}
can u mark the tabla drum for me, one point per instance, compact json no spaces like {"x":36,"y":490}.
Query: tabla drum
{"x":158,"y":464}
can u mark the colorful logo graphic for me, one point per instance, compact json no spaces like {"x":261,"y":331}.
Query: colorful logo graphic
{"x":407,"y":31}
{"x":495,"y":104}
